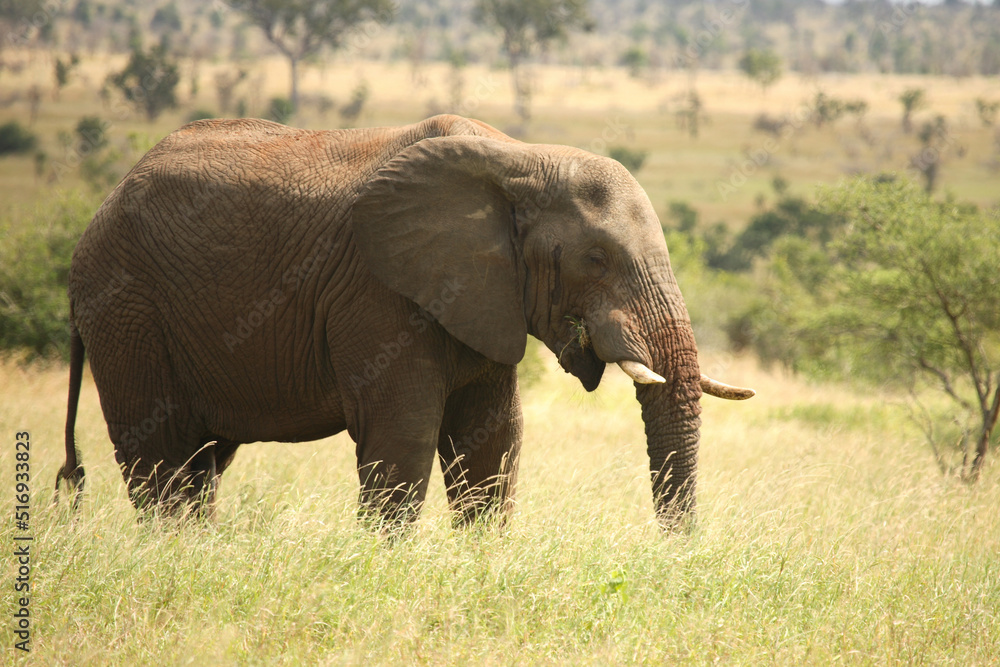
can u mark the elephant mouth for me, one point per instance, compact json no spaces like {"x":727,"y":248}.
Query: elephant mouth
{"x":578,"y":357}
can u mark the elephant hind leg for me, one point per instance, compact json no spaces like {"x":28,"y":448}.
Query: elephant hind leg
{"x":204,"y":479}
{"x":478,"y":447}
{"x":225,"y":452}
{"x":164,"y":486}
{"x":166,"y":452}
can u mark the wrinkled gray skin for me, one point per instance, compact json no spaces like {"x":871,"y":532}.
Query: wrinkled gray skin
{"x":251,"y":282}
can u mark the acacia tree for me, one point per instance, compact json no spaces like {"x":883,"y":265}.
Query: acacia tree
{"x":300,"y":28}
{"x":527,"y":24}
{"x":919,"y":300}
{"x":149,"y":80}
{"x":762,"y":67}
{"x":913,"y":100}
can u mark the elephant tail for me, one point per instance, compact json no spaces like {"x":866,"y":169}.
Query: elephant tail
{"x":72,"y":471}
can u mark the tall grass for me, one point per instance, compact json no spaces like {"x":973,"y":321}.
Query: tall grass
{"x":825,"y":535}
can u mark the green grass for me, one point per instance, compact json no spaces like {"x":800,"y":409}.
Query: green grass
{"x":825,"y":535}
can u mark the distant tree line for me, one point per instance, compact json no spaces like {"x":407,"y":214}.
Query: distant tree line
{"x":953,"y":38}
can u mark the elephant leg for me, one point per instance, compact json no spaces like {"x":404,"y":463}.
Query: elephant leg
{"x":163,"y":482}
{"x":225,"y":452}
{"x":166,"y":463}
{"x":395,"y":459}
{"x":160,"y":442}
{"x":478,"y":447}
{"x":203,"y":479}
{"x":172,"y":486}
{"x":198,"y":481}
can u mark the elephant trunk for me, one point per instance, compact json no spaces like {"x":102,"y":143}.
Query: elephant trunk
{"x":670,"y":411}
{"x":672,"y":444}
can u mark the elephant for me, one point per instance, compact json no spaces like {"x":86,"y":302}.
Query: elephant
{"x":247,"y":281}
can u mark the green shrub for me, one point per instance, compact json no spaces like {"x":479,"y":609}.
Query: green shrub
{"x":281,"y":110}
{"x":630,"y":159}
{"x":903,"y":294}
{"x":199,"y":114}
{"x":635,"y":59}
{"x":16,"y":139}
{"x":712,"y":297}
{"x":34,"y":268}
{"x":91,"y":134}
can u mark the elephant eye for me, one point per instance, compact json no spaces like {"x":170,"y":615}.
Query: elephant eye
{"x":598,"y":257}
{"x":598,"y":261}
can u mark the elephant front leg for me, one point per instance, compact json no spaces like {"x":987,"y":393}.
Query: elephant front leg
{"x":478,"y":447}
{"x":395,"y":459}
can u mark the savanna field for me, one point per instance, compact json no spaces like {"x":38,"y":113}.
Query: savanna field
{"x":826,"y":533}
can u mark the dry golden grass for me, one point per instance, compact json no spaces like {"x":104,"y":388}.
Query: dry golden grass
{"x":825,"y":535}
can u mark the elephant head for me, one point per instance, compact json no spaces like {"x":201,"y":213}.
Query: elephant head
{"x":557,"y":243}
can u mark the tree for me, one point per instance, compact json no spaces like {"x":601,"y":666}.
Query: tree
{"x":790,"y":217}
{"x":691,"y":114}
{"x":92,"y":134}
{"x":912,"y":99}
{"x":934,"y":139}
{"x":300,"y":28}
{"x":526,"y":24}
{"x":62,"y":70}
{"x":630,"y":158}
{"x":906,"y":296}
{"x":987,"y":111}
{"x":149,"y":80}
{"x":761,"y":66}
{"x":16,"y":24}
{"x":166,"y":18}
{"x":922,"y":283}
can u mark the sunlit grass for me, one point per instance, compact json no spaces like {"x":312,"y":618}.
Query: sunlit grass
{"x":825,"y":535}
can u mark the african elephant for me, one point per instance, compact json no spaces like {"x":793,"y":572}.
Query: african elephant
{"x":247,"y":281}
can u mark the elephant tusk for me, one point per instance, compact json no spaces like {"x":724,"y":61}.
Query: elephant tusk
{"x":640,"y":373}
{"x":720,"y":390}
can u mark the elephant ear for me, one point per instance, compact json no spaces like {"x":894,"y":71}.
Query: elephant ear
{"x":436,"y":225}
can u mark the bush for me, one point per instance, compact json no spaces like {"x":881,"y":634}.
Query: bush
{"x":630,"y":159}
{"x":635,"y":59}
{"x":904,"y":294}
{"x":92,"y":134}
{"x":199,"y":114}
{"x":790,"y":217}
{"x":34,"y":268}
{"x":712,"y":297}
{"x":761,"y":66}
{"x":16,"y":139}
{"x":281,"y":110}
